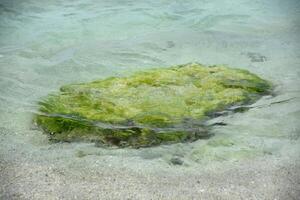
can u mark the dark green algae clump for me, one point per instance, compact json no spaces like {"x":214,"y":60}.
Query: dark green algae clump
{"x":159,"y":106}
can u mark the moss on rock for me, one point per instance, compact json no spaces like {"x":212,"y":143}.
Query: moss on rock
{"x":164,"y":105}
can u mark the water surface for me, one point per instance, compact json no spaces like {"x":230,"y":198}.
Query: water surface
{"x":45,"y":44}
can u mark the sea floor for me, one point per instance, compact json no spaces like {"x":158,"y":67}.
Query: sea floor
{"x":44,"y":45}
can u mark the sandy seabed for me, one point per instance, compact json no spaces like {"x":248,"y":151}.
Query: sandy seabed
{"x":44,"y":45}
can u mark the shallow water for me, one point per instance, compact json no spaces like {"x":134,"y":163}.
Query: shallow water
{"x":44,"y":45}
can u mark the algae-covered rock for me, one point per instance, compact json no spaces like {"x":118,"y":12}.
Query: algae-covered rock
{"x":164,"y":105}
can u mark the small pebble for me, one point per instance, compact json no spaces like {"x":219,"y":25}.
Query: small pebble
{"x":176,"y":161}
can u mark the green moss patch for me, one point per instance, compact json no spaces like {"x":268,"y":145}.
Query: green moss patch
{"x":164,"y":105}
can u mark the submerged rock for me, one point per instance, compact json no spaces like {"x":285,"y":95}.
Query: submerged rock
{"x":176,"y":161}
{"x":165,"y":105}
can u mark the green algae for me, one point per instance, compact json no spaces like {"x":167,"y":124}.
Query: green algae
{"x":225,"y":148}
{"x":165,"y":105}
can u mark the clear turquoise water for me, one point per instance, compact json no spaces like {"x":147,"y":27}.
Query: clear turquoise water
{"x":45,"y":44}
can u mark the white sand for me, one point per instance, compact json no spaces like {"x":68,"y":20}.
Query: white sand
{"x":269,"y":177}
